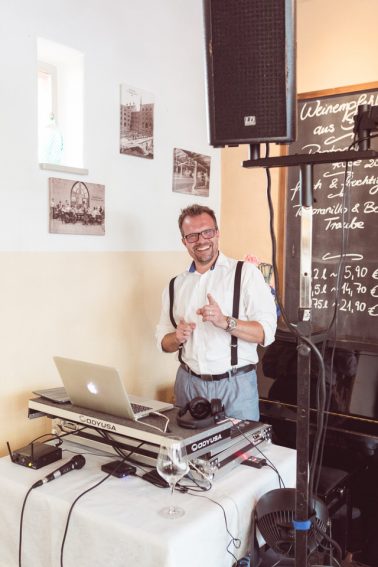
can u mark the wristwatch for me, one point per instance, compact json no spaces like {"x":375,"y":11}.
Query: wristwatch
{"x":231,"y":324}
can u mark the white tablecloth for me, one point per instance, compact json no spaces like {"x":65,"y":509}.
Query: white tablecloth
{"x":117,"y":524}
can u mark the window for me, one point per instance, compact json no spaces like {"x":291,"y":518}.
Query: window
{"x":50,"y":139}
{"x":60,"y":106}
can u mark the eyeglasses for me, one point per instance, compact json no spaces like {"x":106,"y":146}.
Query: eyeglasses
{"x":194,"y":236}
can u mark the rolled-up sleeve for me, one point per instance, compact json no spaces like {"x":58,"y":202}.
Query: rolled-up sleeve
{"x":259,"y":302}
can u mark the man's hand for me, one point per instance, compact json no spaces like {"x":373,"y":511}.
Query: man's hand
{"x":212,"y":313}
{"x":250,"y":331}
{"x":172,"y":341}
{"x":184,"y":330}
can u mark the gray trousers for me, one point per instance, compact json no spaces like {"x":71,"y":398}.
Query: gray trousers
{"x":239,"y":394}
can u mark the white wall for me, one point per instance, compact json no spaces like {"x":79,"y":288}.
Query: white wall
{"x":155,"y":45}
{"x":92,"y":297}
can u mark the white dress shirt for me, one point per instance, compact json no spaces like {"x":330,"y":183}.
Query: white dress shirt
{"x":208,"y":349}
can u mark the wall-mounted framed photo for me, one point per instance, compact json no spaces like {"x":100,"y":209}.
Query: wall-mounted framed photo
{"x":191,"y":173}
{"x":136,"y":122}
{"x":76,"y":207}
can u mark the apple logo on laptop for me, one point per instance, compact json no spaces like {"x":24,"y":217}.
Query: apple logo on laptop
{"x":92,"y":388}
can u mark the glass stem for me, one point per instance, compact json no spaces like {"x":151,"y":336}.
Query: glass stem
{"x":172,"y":506}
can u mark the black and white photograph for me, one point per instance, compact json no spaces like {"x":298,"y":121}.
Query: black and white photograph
{"x":76,"y":207}
{"x":136,"y":122}
{"x":191,"y":173}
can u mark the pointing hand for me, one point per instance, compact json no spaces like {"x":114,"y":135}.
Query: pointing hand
{"x":212,"y":313}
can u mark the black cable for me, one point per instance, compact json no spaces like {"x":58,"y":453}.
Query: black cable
{"x":323,"y":402}
{"x":66,"y":433}
{"x":52,"y":435}
{"x":198,"y":487}
{"x":319,"y":423}
{"x":24,"y":504}
{"x":234,"y":540}
{"x":121,"y":453}
{"x":194,"y":491}
{"x":318,"y":446}
{"x":318,"y":458}
{"x":32,"y":487}
{"x":59,"y":437}
{"x":21,"y":526}
{"x":71,"y":509}
{"x":271,"y":465}
{"x":95,"y":453}
{"x":292,"y":329}
{"x":331,"y":541}
{"x":358,"y":140}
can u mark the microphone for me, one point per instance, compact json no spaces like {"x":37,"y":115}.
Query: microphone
{"x":77,"y":462}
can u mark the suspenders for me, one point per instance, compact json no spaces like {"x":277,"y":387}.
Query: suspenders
{"x":235,"y":311}
{"x":171,"y":299}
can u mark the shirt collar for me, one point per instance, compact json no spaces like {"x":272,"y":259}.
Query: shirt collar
{"x":192,"y":267}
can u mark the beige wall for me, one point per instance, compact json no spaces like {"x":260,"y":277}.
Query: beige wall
{"x":101,"y":307}
{"x":244,"y":207}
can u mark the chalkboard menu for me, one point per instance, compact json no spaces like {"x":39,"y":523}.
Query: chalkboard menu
{"x":343,"y":196}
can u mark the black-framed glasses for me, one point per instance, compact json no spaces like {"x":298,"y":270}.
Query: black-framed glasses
{"x":194,"y":236}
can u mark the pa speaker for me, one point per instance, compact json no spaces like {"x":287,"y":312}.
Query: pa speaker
{"x":251,"y":74}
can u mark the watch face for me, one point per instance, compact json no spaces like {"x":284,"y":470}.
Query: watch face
{"x":231,"y":324}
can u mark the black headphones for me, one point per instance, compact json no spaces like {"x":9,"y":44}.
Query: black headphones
{"x":202,"y":413}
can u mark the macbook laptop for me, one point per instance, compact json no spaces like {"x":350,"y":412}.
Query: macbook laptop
{"x":100,"y":388}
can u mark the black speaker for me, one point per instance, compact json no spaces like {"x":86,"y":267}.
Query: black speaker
{"x":251,"y":74}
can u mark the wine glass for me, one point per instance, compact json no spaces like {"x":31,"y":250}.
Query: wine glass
{"x":172,"y":464}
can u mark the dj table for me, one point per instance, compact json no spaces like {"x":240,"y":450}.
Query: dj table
{"x":118,"y":523}
{"x":220,"y":445}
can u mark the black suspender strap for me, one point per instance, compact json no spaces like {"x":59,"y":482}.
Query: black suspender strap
{"x":235,"y":311}
{"x":171,"y":299}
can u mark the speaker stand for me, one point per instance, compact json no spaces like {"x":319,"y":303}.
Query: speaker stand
{"x":304,"y":367}
{"x":306,"y":163}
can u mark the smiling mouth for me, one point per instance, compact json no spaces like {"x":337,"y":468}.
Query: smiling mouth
{"x":203,"y":248}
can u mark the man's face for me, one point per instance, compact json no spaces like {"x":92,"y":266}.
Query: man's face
{"x":205,"y":250}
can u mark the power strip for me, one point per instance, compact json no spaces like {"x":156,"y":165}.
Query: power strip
{"x":255,"y":462}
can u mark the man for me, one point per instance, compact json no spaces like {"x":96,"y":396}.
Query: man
{"x":202,"y":309}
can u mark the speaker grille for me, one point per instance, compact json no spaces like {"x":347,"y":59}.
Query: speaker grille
{"x":248,"y":70}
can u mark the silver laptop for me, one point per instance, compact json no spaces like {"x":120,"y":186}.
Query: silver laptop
{"x":100,"y":388}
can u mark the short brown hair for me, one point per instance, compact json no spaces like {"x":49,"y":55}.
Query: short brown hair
{"x":194,"y":211}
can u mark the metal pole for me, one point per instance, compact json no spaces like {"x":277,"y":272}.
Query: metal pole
{"x":304,"y":367}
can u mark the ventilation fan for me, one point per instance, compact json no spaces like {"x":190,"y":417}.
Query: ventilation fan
{"x":275,"y":513}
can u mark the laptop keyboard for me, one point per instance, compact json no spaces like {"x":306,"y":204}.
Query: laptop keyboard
{"x":138,"y":408}
{"x":58,"y":395}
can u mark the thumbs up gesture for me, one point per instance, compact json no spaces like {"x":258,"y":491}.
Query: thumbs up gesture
{"x":212,"y":313}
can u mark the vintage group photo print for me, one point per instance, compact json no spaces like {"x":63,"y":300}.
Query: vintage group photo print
{"x":76,"y":207}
